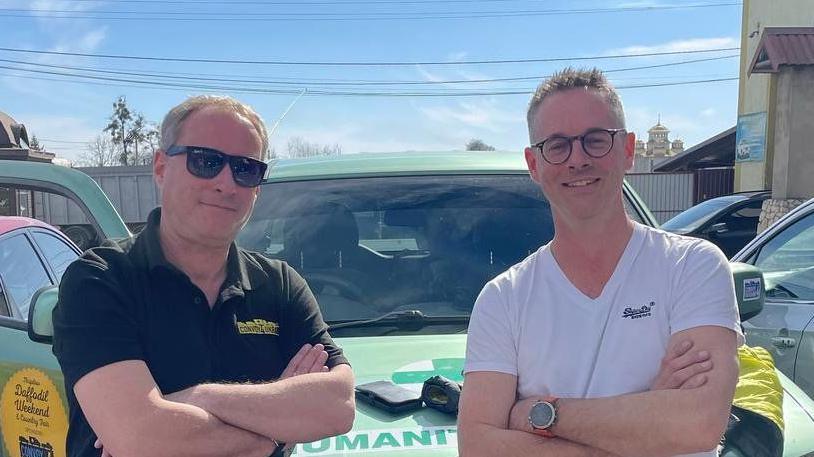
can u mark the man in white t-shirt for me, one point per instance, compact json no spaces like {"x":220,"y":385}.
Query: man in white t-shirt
{"x":613,"y":339}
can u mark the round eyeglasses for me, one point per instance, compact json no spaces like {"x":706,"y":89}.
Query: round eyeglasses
{"x":595,"y":142}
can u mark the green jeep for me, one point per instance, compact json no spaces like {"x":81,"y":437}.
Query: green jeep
{"x":396,"y":248}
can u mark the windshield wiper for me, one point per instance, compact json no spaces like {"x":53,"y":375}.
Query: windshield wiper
{"x":411,"y":318}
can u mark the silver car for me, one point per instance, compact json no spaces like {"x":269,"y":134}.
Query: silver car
{"x":785,"y":253}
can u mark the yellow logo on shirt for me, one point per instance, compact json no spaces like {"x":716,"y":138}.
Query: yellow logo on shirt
{"x":258,"y":327}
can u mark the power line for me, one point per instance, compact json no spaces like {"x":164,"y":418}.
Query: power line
{"x":187,"y":16}
{"x":363,"y":13}
{"x":318,"y":3}
{"x":458,"y":93}
{"x":361,"y":64}
{"x":51,"y":140}
{"x":301,"y":83}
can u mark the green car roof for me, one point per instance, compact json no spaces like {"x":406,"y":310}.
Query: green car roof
{"x":412,"y":163}
{"x":396,"y":164}
{"x":74,"y":184}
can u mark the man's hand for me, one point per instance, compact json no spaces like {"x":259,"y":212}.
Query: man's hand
{"x":683,"y":368}
{"x":309,"y":359}
{"x":519,"y":416}
{"x":98,"y":445}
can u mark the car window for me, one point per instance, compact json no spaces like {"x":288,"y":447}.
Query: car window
{"x":57,"y":253}
{"x":696,"y":216}
{"x":632,"y":212}
{"x":5,"y":311}
{"x":375,"y":245}
{"x":787,"y":261}
{"x":22,"y":272}
{"x":745,"y":218}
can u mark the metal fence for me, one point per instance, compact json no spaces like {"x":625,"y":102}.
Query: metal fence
{"x":666,"y":194}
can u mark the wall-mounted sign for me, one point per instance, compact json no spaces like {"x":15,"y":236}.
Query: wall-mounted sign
{"x":750,"y":138}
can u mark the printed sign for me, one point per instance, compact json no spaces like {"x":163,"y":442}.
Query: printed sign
{"x":751,"y":289}
{"x":33,"y":417}
{"x":408,"y":439}
{"x":750,"y":138}
{"x":412,"y":376}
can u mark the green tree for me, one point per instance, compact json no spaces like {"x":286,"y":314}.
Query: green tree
{"x":119,"y":127}
{"x":476,"y":144}
{"x":135,"y":137}
{"x":35,"y":145}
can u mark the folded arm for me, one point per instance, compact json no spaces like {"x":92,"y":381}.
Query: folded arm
{"x":127,"y":412}
{"x":308,"y":403}
{"x":483,"y":423}
{"x":658,"y":422}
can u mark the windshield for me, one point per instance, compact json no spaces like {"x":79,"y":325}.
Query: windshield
{"x":696,"y":216}
{"x":377,"y":245}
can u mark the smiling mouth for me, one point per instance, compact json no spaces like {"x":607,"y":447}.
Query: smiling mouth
{"x":226,"y":208}
{"x":581,"y":183}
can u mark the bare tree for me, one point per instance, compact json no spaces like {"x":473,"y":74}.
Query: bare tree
{"x":476,"y":144}
{"x":101,"y":152}
{"x":298,"y":147}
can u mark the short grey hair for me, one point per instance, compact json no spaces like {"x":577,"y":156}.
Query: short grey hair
{"x":174,"y":120}
{"x":570,"y":78}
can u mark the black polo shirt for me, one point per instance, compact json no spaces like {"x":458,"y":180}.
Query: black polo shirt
{"x":125,"y":301}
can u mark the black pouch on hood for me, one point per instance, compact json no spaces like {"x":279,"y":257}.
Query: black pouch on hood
{"x":388,"y":396}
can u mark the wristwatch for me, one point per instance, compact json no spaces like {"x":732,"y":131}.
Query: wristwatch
{"x":543,"y":415}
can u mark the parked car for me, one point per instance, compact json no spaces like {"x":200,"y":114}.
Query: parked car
{"x":33,"y":255}
{"x":785,"y":253}
{"x":130,"y":188}
{"x":729,"y":221}
{"x":33,"y":416}
{"x":395,"y":246}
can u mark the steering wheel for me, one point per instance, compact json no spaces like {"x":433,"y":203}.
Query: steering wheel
{"x":346,"y":288}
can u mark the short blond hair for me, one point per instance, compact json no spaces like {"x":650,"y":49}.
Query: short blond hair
{"x":570,"y":78}
{"x":174,"y":120}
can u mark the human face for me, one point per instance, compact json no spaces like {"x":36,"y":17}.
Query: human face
{"x":582,"y":187}
{"x":207,"y":211}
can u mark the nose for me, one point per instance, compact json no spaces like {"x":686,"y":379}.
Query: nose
{"x":224,"y":182}
{"x":578,"y":157}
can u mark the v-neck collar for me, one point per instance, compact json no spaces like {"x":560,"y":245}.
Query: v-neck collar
{"x":619,"y":272}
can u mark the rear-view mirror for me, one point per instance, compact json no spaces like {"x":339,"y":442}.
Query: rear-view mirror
{"x":750,"y":289}
{"x":40,"y":321}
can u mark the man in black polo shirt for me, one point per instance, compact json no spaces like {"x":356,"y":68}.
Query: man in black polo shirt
{"x":180,"y":343}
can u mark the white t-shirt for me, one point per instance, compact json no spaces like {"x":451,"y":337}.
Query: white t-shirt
{"x":532,"y":322}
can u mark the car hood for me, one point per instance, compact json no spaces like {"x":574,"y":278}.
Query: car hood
{"x":409,"y":360}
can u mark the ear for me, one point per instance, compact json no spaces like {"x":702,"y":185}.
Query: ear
{"x":630,"y":149}
{"x":532,"y":163}
{"x":159,"y":167}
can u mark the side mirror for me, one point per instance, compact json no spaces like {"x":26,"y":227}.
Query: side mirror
{"x":40,"y":320}
{"x":749,"y":289}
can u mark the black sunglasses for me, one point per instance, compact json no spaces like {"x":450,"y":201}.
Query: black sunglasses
{"x":207,"y":163}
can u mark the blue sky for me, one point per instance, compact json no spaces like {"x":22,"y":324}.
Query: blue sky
{"x":65,"y":111}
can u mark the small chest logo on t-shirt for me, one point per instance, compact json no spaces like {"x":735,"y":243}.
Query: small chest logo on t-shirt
{"x":640,"y":312}
{"x":258,"y":327}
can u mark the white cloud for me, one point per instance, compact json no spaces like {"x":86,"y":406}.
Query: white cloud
{"x":482,"y":114}
{"x":64,"y":128}
{"x":641,"y":4}
{"x":692,"y":44}
{"x":709,"y":112}
{"x":457,"y":56}
{"x":84,"y":41}
{"x":427,"y":75}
